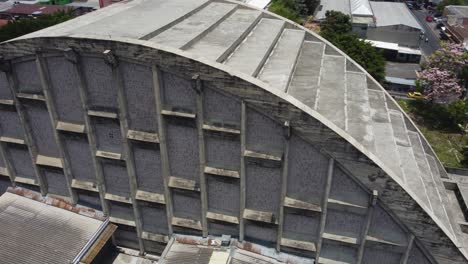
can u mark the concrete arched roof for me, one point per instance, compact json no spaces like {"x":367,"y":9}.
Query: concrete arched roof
{"x":289,"y":62}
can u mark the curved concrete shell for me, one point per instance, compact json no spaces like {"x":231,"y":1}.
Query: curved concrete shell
{"x":211,"y":117}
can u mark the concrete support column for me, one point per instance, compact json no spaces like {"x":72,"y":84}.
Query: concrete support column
{"x":365,"y":230}
{"x":242,"y":171}
{"x":89,"y":128}
{"x":284,"y":184}
{"x":326,"y":194}
{"x":5,"y":66}
{"x":404,"y":258}
{"x":127,"y":151}
{"x":157,"y":85}
{"x":13,"y":83}
{"x":46,"y":86}
{"x":197,"y":85}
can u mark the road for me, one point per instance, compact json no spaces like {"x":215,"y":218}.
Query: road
{"x":430,"y":32}
{"x":400,"y":95}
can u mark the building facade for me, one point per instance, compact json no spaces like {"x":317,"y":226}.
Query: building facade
{"x":211,"y":117}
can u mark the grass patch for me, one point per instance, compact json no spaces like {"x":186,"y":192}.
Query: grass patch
{"x":438,"y":128}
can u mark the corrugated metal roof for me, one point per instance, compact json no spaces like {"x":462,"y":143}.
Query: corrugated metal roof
{"x":458,"y":11}
{"x":360,"y":8}
{"x":390,"y":14}
{"x":197,"y":250}
{"x":336,"y":5}
{"x":34,"y":232}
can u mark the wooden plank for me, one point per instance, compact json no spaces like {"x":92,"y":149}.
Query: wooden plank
{"x":178,"y":114}
{"x":189,"y":223}
{"x":150,"y":197}
{"x":12,"y":140}
{"x":102,"y":114}
{"x":49,"y":161}
{"x":70,"y":127}
{"x":221,"y":172}
{"x":347,"y":207}
{"x":99,"y":244}
{"x":155,"y":237}
{"x":157,"y":84}
{"x":37,"y":97}
{"x":298,"y":204}
{"x":7,"y":102}
{"x":108,"y":155}
{"x":84,"y":185}
{"x":257,"y":155}
{"x":122,"y":221}
{"x":303,"y":245}
{"x":260,"y":216}
{"x":221,"y":129}
{"x":326,"y":194}
{"x":222,"y":217}
{"x":26,"y":180}
{"x":4,"y":172}
{"x":383,"y":241}
{"x":181,"y":183}
{"x":340,"y":238}
{"x":118,"y":198}
{"x":142,"y":136}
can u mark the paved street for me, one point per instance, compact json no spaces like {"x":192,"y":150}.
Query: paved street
{"x":430,"y":32}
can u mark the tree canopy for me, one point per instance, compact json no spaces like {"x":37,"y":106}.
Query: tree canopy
{"x":441,"y":6}
{"x":295,"y":10}
{"x":24,"y":26}
{"x":335,"y":23}
{"x":337,"y":29}
{"x":445,"y":74}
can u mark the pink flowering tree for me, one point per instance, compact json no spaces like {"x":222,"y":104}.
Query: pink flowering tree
{"x":441,"y":86}
{"x":444,"y":74}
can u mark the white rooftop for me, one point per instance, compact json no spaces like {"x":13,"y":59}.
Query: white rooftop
{"x":390,"y":14}
{"x":361,"y":8}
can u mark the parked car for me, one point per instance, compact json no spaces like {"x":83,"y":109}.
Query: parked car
{"x":429,"y":18}
{"x":415,"y":95}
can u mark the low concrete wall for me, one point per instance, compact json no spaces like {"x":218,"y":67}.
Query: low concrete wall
{"x":458,"y":171}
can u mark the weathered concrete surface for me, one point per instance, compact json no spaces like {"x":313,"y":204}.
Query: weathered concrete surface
{"x":331,"y":128}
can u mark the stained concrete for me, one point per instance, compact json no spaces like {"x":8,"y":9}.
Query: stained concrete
{"x":339,"y":122}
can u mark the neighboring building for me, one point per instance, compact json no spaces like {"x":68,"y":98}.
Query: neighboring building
{"x":195,"y":117}
{"x":387,"y":25}
{"x":394,"y":23}
{"x":37,"y":229}
{"x":27,"y":10}
{"x":262,"y":4}
{"x":360,"y":12}
{"x":457,"y":23}
{"x":401,"y":76}
{"x":89,"y":4}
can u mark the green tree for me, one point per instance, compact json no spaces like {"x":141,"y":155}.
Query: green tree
{"x":337,"y":29}
{"x":441,"y":6}
{"x":24,"y":26}
{"x":287,"y":9}
{"x":336,"y":23}
{"x":363,"y":53}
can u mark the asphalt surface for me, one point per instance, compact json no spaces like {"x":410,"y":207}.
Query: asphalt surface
{"x":430,"y":32}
